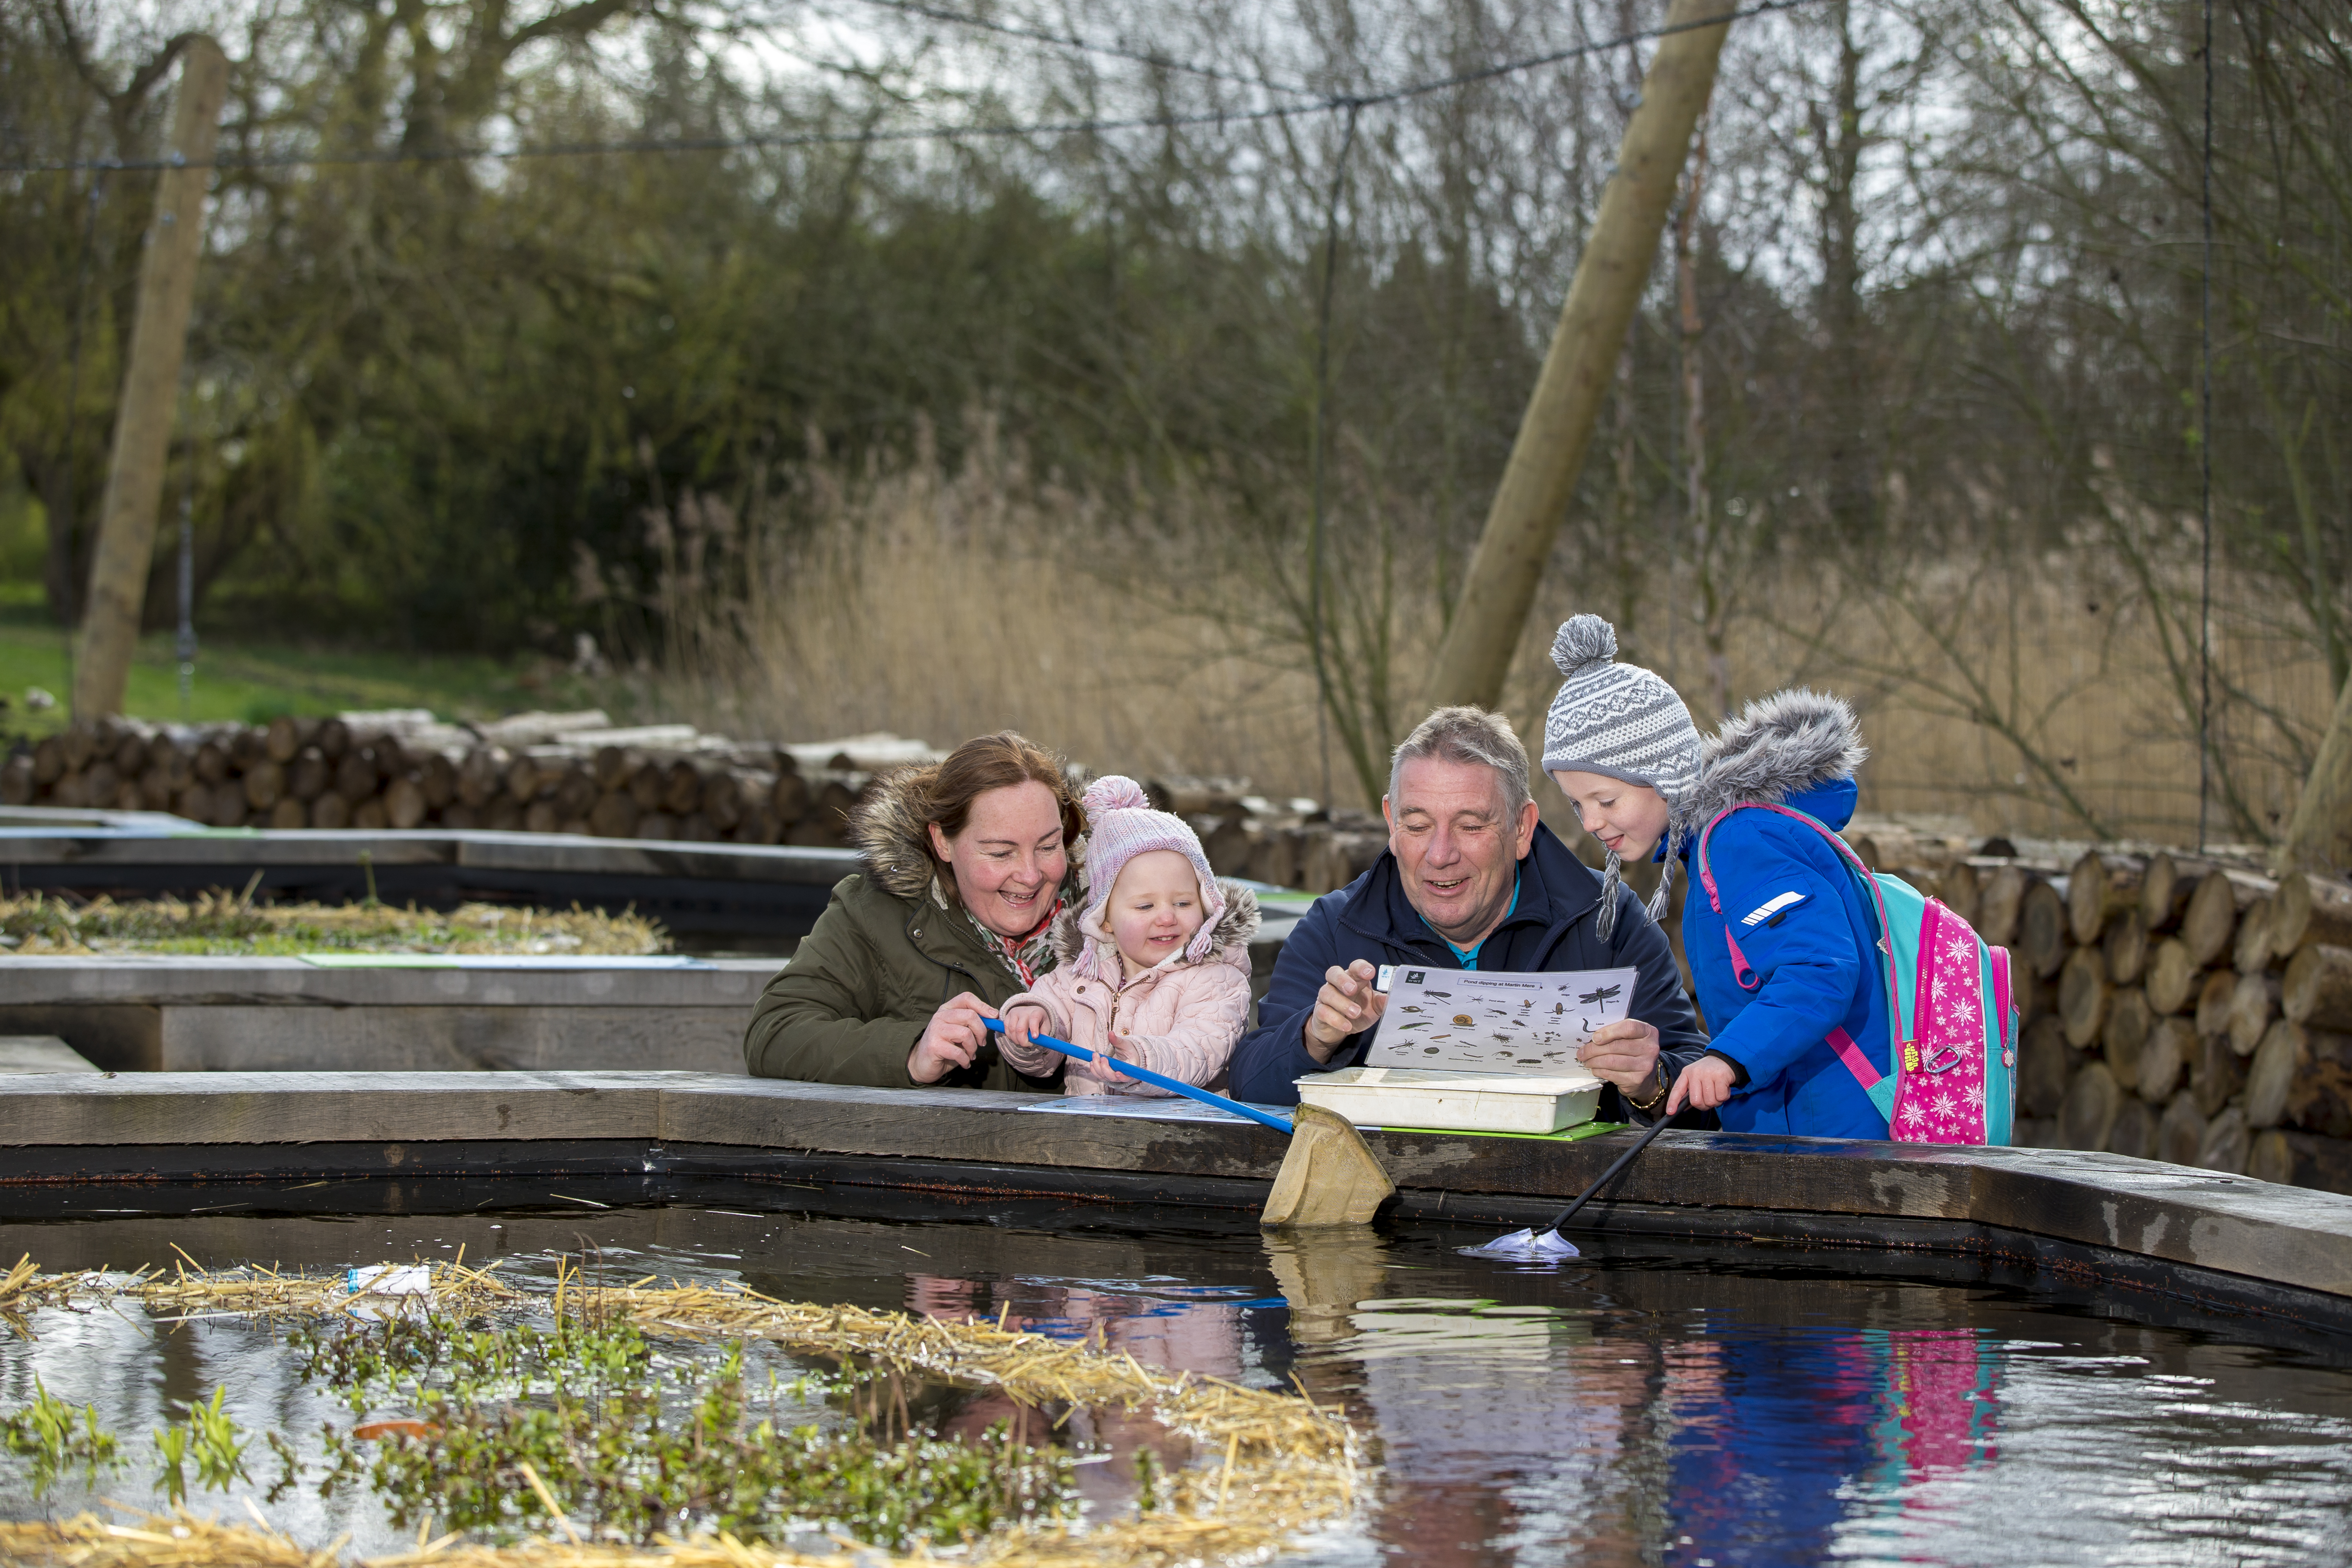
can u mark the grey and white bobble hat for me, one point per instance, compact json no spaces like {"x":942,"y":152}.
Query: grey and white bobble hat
{"x":1626,"y":723}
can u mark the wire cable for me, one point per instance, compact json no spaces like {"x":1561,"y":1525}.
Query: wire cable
{"x":1336,"y":103}
{"x":1148,"y":57}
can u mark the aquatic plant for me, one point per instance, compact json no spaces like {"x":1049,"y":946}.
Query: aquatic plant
{"x":1276,"y":1466}
{"x":513,"y":1428}
{"x":172,"y":1444}
{"x":224,"y":922}
{"x":209,"y":1436}
{"x":615,"y":1465}
{"x":47,"y":1432}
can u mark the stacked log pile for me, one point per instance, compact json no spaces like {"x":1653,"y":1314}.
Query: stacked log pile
{"x":2177,"y":1009}
{"x":1292,"y":842}
{"x":535,"y":773}
{"x":575,"y":773}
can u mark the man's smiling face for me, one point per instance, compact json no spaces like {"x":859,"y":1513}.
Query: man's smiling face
{"x":1457,"y":850}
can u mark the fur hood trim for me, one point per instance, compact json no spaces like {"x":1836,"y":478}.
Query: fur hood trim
{"x":889,"y":829}
{"x":1780,"y":746}
{"x":1235,"y":928}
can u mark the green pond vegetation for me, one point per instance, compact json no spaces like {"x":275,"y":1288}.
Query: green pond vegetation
{"x":507,"y":1429}
{"x":225,"y":922}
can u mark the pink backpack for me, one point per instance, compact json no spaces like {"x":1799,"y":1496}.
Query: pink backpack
{"x":1947,"y":998}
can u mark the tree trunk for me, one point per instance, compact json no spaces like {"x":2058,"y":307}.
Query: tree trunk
{"x":2213,"y":917}
{"x":2213,"y":1002}
{"x":2251,"y":951}
{"x":2171,"y":978}
{"x":2308,"y":910}
{"x":2180,"y":1131}
{"x":2083,"y":996}
{"x":1959,"y":891}
{"x":2301,"y":1160}
{"x":2126,"y":946}
{"x":2134,"y":1132}
{"x":2319,"y":834}
{"x":2163,"y":1061}
{"x":2164,"y":891}
{"x":2089,"y":1114}
{"x":1548,"y":452}
{"x":2270,"y":1077}
{"x":2043,"y":1065}
{"x":2100,"y":886}
{"x":151,"y":391}
{"x":2041,"y":938}
{"x":2318,"y":990}
{"x":2125,"y":1038}
{"x":1850,"y":425}
{"x":1999,"y":903}
{"x":2216,"y":1074}
{"x":2226,"y":1144}
{"x":2253,"y":1003}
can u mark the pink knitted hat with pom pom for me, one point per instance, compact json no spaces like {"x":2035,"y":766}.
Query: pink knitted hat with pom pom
{"x":1121,"y":825}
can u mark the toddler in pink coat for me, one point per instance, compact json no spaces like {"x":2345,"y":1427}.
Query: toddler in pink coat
{"x":1152,"y":967}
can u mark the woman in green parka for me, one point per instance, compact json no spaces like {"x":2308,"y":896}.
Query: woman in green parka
{"x":965,"y":864}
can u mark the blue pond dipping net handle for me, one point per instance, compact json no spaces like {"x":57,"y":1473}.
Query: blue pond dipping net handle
{"x":1174,"y":1085}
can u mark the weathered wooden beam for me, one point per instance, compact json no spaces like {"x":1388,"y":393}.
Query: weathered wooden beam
{"x":2142,"y":1214}
{"x":1548,"y":452}
{"x":151,"y":389}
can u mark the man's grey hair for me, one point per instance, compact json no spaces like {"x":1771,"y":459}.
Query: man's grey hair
{"x":1467,"y":734}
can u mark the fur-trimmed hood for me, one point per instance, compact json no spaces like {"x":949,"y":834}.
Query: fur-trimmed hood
{"x":1779,"y":746}
{"x":889,"y":829}
{"x":1782,"y":745}
{"x":1229,"y":941}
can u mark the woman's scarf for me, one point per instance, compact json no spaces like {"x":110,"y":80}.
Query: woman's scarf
{"x":1023,"y":955}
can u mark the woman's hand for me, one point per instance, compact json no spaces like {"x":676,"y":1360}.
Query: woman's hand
{"x":1625,"y":1053}
{"x":951,"y":1039}
{"x":1706,"y":1084}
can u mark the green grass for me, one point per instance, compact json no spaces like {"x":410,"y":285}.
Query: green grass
{"x":254,"y":682}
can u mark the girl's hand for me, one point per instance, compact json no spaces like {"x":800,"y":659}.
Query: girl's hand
{"x":1122,"y":1049}
{"x":1021,"y":1022}
{"x":1104,"y":1068}
{"x":1706,"y":1084}
{"x":951,"y":1039}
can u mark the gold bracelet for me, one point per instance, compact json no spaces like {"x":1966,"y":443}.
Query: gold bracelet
{"x":1653,"y":1100}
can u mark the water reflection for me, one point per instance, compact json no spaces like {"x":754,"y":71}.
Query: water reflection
{"x":1646,"y":1405}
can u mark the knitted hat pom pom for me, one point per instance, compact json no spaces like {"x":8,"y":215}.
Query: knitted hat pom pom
{"x":1583,"y":644}
{"x":1114,"y":791}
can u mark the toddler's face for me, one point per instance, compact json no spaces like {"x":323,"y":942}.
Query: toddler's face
{"x":1155,"y":907}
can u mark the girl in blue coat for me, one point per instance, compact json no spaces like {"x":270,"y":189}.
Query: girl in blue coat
{"x":1783,"y":968}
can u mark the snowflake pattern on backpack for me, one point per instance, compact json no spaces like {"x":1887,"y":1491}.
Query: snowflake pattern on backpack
{"x":1942,"y":1095}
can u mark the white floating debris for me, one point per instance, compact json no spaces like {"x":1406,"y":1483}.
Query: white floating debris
{"x":390,"y":1279}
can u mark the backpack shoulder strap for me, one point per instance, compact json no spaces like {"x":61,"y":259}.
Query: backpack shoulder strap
{"x":1899,"y":1023}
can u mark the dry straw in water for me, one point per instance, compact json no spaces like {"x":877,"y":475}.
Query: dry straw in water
{"x":1286,"y":1467}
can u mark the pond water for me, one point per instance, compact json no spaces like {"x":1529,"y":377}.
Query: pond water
{"x":1652,"y":1403}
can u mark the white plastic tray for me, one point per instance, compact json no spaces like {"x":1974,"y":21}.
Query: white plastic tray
{"x":1455,"y":1101}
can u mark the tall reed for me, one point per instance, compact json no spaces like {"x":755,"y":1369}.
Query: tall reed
{"x":1164,"y":631}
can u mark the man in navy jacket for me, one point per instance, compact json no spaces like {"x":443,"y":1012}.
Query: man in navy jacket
{"x":1472,"y":880}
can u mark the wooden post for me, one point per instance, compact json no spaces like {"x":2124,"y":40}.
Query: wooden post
{"x":2319,"y":834}
{"x":150,"y":390}
{"x":1500,"y":584}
